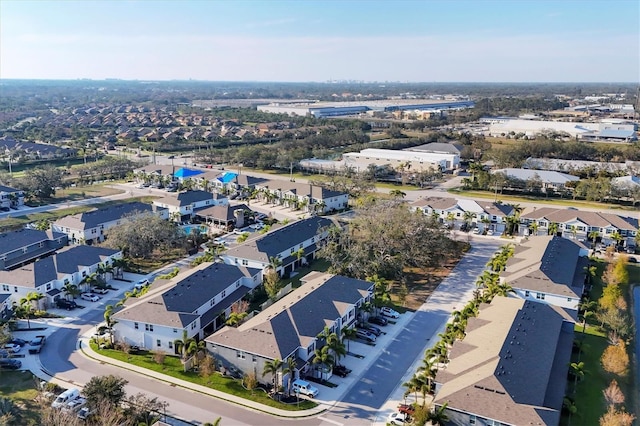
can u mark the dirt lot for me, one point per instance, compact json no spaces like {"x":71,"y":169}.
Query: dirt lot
{"x":422,"y":283}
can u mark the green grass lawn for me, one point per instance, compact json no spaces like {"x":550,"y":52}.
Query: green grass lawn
{"x":541,"y":200}
{"x":173,"y":367}
{"x":20,"y":387}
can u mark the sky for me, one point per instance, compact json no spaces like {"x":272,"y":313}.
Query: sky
{"x":307,"y":40}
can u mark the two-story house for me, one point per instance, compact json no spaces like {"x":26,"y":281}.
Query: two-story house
{"x":183,"y":205}
{"x":289,"y":328}
{"x":91,"y":226}
{"x":10,"y":197}
{"x":312,"y":198}
{"x":50,"y":274}
{"x":284,"y":248}
{"x":23,"y":246}
{"x":196,"y":301}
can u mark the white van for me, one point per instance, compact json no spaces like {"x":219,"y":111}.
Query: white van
{"x":65,"y":397}
{"x":305,"y":388}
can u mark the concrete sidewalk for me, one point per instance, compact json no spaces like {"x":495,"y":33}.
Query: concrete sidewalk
{"x":361,"y":357}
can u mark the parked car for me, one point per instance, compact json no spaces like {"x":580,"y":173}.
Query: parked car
{"x":10,"y":364}
{"x":489,"y":232}
{"x":141,"y":284}
{"x":74,"y":405}
{"x":398,"y":419}
{"x":372,"y":329}
{"x":12,"y":347}
{"x":65,"y":397}
{"x":366,"y":335}
{"x":341,"y":370}
{"x":388,"y":312}
{"x":407,"y":409}
{"x":66,"y":304}
{"x":84,"y":413}
{"x":100,"y":290}
{"x":476,"y":230}
{"x":4,"y":354}
{"x":378,"y":320}
{"x":18,"y":342}
{"x":90,"y":297}
{"x":632,"y":259}
{"x":305,"y":388}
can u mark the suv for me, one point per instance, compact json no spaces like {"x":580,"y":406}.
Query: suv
{"x":141,"y":284}
{"x":378,"y":320}
{"x":366,"y":335}
{"x":341,"y":370}
{"x":90,"y":297}
{"x":305,"y":388}
{"x":66,"y":304}
{"x":388,"y":312}
{"x":10,"y":364}
{"x":371,"y":329}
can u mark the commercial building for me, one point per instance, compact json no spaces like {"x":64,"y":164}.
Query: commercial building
{"x":407,"y":160}
{"x":339,"y":109}
{"x":602,"y":131}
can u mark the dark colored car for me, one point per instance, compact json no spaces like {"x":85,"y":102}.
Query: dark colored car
{"x":18,"y":342}
{"x":372,"y":329}
{"x":66,"y":304}
{"x":378,"y":320}
{"x":10,"y":364}
{"x":341,"y":370}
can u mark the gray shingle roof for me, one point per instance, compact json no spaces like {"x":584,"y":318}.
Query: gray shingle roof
{"x":548,"y":264}
{"x":94,"y":218}
{"x":14,"y":240}
{"x":511,"y":367}
{"x":72,"y":259}
{"x":224,"y":212}
{"x":31,"y":275}
{"x":186,"y":198}
{"x":8,"y":189}
{"x":279,"y":240}
{"x":175,"y":306}
{"x":295,"y":320}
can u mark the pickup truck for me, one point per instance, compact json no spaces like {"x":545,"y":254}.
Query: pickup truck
{"x":35,"y":346}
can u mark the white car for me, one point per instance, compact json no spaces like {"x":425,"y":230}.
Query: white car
{"x":12,"y":347}
{"x":141,"y":284}
{"x":388,"y":312}
{"x":398,"y":419}
{"x":90,"y":297}
{"x":490,"y":232}
{"x":476,"y":230}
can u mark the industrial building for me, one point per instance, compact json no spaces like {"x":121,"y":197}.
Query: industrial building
{"x":339,"y":109}
{"x":409,"y":160}
{"x":611,"y":130}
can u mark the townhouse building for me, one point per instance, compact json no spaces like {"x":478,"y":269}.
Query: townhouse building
{"x":183,"y":205}
{"x":90,"y":227}
{"x":510,"y":369}
{"x":196,"y":301}
{"x":483,"y":214}
{"x":50,"y":274}
{"x":311,"y":198}
{"x":289,"y":328}
{"x":548,"y":269}
{"x":284,"y":248}
{"x":23,"y":246}
{"x":578,"y":224}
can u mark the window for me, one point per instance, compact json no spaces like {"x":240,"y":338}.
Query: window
{"x":241,"y":354}
{"x":237,"y":284}
{"x":15,"y":289}
{"x":5,"y":287}
{"x":254,"y":358}
{"x":212,"y":302}
{"x":48,"y":287}
{"x":135,"y":325}
{"x":224,"y":293}
{"x":245,"y":262}
{"x":300,"y":246}
{"x":175,"y":330}
{"x":527,"y":293}
{"x":170,"y":344}
{"x":292,"y":250}
{"x":472,"y":420}
{"x":569,"y":299}
{"x":158,"y":343}
{"x":193,"y":325}
{"x":540,"y":296}
{"x":148,"y":327}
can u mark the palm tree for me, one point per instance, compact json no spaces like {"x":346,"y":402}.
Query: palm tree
{"x":272,"y":367}
{"x":552,"y":229}
{"x":617,"y":238}
{"x":438,"y":416}
{"x":36,"y":297}
{"x":337,"y":347}
{"x":289,"y":367}
{"x":324,"y":358}
{"x":24,"y":310}
{"x":593,"y":236}
{"x":468,"y":218}
{"x":348,"y":334}
{"x":578,"y":371}
{"x":185,"y":347}
{"x":451,"y":218}
{"x":571,"y":407}
{"x":119,"y":265}
{"x":108,"y":312}
{"x":534,"y":228}
{"x":413,"y":385}
{"x":92,"y":279}
{"x":70,"y":290}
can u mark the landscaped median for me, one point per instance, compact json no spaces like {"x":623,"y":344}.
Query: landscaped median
{"x":172,"y":367}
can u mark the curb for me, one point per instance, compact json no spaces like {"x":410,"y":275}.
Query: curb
{"x":89,"y":353}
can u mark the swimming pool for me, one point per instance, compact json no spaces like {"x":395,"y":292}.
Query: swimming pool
{"x":188,"y":228}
